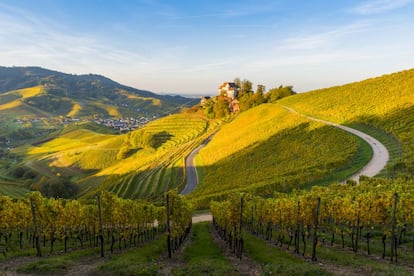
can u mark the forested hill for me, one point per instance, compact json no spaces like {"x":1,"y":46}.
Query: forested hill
{"x":91,"y":87}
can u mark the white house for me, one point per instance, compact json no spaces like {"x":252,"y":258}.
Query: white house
{"x":228,"y":89}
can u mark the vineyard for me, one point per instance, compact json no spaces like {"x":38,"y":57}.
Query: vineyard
{"x":142,"y":163}
{"x":270,"y":178}
{"x":340,"y":226}
{"x":269,"y":148}
{"x":107,"y":222}
{"x":385,"y":104}
{"x":376,"y":216}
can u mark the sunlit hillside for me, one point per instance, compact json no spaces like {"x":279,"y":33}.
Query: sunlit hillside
{"x":51,"y":93}
{"x":13,"y":103}
{"x":269,"y":148}
{"x":144,"y":162}
{"x":385,"y":103}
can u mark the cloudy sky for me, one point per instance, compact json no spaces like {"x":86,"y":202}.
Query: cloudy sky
{"x":191,"y":46}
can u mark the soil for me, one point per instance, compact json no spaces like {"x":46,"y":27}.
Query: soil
{"x":245,"y":265}
{"x":9,"y":266}
{"x":86,"y":266}
{"x":202,"y":217}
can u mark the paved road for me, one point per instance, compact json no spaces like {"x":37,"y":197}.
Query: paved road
{"x":379,"y":158}
{"x":191,"y":170}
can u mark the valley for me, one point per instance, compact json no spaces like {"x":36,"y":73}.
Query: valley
{"x":289,"y":191}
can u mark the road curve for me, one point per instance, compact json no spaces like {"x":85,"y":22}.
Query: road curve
{"x":190,"y":168}
{"x":380,"y":153}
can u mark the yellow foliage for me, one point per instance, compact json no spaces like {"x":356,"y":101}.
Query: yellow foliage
{"x":267,"y":145}
{"x":75,"y":110}
{"x":10,"y":105}
{"x":386,"y":103}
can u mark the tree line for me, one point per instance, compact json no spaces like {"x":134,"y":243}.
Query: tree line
{"x":247,"y":97}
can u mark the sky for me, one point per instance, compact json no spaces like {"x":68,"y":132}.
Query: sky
{"x":190,"y":47}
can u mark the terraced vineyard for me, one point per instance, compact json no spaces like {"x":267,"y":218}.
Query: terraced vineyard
{"x":382,"y":106}
{"x":268,"y":148}
{"x":124,"y":164}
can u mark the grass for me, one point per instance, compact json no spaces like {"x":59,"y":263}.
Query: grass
{"x":202,"y":255}
{"x":137,"y":261}
{"x":276,"y":261}
{"x":357,"y":262}
{"x":56,"y":264}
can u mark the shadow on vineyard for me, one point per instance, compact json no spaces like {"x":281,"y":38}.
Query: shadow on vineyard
{"x":269,"y":176}
{"x":294,"y":158}
{"x":397,"y":130}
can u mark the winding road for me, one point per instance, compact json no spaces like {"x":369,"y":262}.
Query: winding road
{"x":380,"y":153}
{"x":190,"y":168}
{"x":373,"y":167}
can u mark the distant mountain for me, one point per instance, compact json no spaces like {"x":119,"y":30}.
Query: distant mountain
{"x":80,"y":95}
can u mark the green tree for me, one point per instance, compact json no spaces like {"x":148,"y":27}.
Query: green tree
{"x":238,"y":82}
{"x":246,"y":86}
{"x":221,"y":108}
{"x":280,"y":92}
{"x":261,"y":89}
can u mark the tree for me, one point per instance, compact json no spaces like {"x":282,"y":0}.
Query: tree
{"x":260,"y":88}
{"x":221,"y":108}
{"x":246,"y":86}
{"x":275,"y":94}
{"x":238,"y":82}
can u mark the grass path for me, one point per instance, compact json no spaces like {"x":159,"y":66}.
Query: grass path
{"x":204,"y":253}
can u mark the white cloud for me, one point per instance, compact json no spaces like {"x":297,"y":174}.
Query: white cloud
{"x":323,"y":38}
{"x":379,"y":6}
{"x":26,"y":39}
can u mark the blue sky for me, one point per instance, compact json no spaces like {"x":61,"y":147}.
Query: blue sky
{"x":191,"y":46}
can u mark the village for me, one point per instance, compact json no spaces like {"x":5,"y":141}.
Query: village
{"x":120,"y":124}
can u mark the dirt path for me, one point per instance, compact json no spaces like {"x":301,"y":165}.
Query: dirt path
{"x":86,"y":266}
{"x":202,"y":217}
{"x":380,"y":153}
{"x":245,"y":266}
{"x":9,"y":266}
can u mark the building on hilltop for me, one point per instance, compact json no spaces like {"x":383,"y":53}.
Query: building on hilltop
{"x":234,"y":106}
{"x":228,"y":89}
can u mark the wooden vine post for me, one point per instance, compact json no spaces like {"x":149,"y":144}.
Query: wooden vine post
{"x":168,"y":227}
{"x":315,"y":231}
{"x":241,"y":228}
{"x":101,"y":234}
{"x":36,"y":229}
{"x":394,"y":242}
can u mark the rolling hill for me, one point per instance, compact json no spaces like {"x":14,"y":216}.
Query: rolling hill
{"x":264,"y":166}
{"x":260,"y":150}
{"x":382,"y":106}
{"x":36,"y":91}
